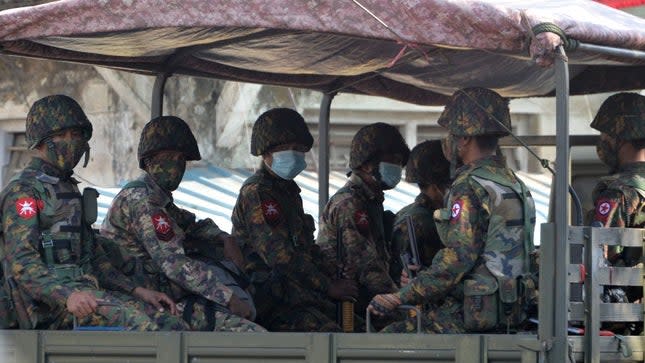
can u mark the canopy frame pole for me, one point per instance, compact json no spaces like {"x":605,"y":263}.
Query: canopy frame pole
{"x":612,"y":51}
{"x":156,"y":108}
{"x":560,"y":350}
{"x":323,"y":151}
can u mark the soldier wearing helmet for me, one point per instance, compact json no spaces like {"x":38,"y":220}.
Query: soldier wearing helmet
{"x":293,"y":291}
{"x":155,"y":238}
{"x":473,"y":284}
{"x":619,"y":199}
{"x":378,"y":154}
{"x":50,"y":251}
{"x":429,"y":169}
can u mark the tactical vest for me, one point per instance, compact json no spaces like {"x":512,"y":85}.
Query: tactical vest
{"x":497,"y":290}
{"x":64,"y":221}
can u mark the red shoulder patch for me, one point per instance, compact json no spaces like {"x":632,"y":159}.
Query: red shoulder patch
{"x":272,"y":212}
{"x":162,"y":225}
{"x":604,"y":207}
{"x":455,"y":210}
{"x":28,"y":207}
{"x":362,"y":221}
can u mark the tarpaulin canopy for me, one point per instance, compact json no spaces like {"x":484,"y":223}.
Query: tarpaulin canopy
{"x":417,"y":51}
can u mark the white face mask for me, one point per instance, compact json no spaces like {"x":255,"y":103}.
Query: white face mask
{"x":390,"y":173}
{"x":288,"y":163}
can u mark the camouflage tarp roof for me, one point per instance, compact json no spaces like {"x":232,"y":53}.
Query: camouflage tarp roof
{"x":412,"y":50}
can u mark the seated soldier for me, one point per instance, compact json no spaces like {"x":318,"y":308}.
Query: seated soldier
{"x":430,"y":169}
{"x":51,"y":258}
{"x":292,"y":289}
{"x":153,"y":236}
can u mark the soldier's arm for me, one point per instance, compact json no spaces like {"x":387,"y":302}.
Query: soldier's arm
{"x":163,"y":240}
{"x":609,"y":209}
{"x":273,"y":245}
{"x":360,"y":250}
{"x":464,"y":242}
{"x":21,"y":249}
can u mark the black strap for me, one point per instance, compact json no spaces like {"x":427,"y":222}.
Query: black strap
{"x":68,"y":195}
{"x":188,"y":309}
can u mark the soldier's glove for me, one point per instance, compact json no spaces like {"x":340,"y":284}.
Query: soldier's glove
{"x":384,"y":304}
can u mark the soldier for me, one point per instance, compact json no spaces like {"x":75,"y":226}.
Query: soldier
{"x":51,"y":258}
{"x":294,"y":291}
{"x":153,"y":234}
{"x":619,"y":199}
{"x":378,"y":153}
{"x":474,"y":282}
{"x":428,"y":168}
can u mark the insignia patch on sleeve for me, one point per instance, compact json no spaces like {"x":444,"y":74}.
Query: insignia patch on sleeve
{"x":271,"y":211}
{"x":362,"y":221}
{"x":28,"y":207}
{"x":455,"y":210}
{"x":162,"y":225}
{"x":603,"y":209}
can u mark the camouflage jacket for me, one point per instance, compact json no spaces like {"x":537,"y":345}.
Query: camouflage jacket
{"x":41,"y":202}
{"x":619,"y":200}
{"x":357,"y":209}
{"x":150,"y":231}
{"x":277,"y":235}
{"x":466,"y":220}
{"x":428,"y":240}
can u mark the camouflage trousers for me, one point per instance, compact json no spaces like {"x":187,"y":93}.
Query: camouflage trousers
{"x":443,"y":319}
{"x":136,"y":315}
{"x":219,"y":321}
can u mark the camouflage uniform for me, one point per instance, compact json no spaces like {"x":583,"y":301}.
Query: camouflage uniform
{"x":50,"y":251}
{"x":152,"y":232}
{"x":471,"y":284}
{"x":619,"y":199}
{"x":426,"y":166}
{"x":357,"y":209}
{"x":277,"y":236}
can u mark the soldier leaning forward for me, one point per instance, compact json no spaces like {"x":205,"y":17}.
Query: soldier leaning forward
{"x":153,"y":236}
{"x":293,"y":290}
{"x":483,"y":272}
{"x":619,"y":198}
{"x":52,"y":263}
{"x":428,"y":168}
{"x":355,"y":213}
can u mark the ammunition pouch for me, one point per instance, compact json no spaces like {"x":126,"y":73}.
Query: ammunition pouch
{"x":497,"y":303}
{"x":68,"y":271}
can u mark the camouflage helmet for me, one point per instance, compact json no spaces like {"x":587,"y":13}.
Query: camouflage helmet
{"x":374,"y":140}
{"x":52,"y":114}
{"x":279,"y":126}
{"x":428,"y":165}
{"x":472,"y":112}
{"x":167,"y":133}
{"x":622,"y":116}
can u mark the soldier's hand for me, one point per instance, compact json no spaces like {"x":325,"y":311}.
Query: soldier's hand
{"x":239,"y":307}
{"x":383,"y":304}
{"x":158,"y":299}
{"x":405,"y":279}
{"x":343,"y":289}
{"x":81,"y":303}
{"x":232,"y":250}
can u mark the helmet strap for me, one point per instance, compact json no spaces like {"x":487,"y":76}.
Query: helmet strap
{"x":87,"y":155}
{"x":453,"y":157}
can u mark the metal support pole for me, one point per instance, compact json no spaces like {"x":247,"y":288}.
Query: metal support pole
{"x":156,"y":109}
{"x":612,"y":51}
{"x":560,"y":350}
{"x":323,"y":152}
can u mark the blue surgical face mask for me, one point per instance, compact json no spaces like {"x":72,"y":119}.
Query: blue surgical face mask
{"x":390,"y":174}
{"x":288,"y":163}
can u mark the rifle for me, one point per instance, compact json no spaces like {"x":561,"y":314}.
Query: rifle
{"x":413,"y":257}
{"x":344,"y":309}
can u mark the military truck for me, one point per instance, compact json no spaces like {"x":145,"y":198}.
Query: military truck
{"x":415,"y":51}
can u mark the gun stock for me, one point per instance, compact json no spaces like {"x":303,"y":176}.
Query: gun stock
{"x":414,"y":249}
